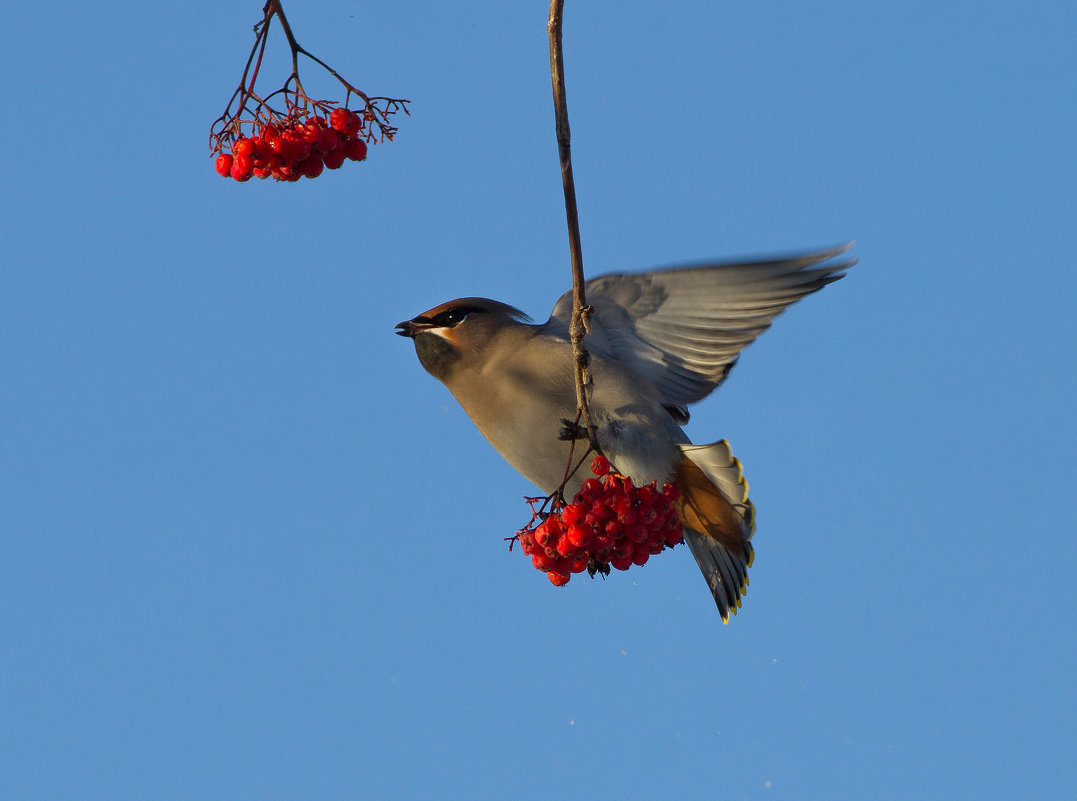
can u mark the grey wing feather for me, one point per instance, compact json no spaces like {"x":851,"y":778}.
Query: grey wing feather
{"x":726,"y":574}
{"x":684,"y":328}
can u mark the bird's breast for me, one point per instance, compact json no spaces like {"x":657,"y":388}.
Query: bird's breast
{"x":520,"y":414}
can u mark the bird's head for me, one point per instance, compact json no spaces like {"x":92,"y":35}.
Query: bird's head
{"x":458,"y":333}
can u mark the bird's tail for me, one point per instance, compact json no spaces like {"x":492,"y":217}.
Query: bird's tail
{"x":718,"y":518}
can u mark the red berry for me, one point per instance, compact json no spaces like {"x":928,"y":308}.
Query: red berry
{"x":579,"y":536}
{"x":573,"y":514}
{"x":281,"y":171}
{"x":558,"y":579}
{"x":334,"y":158}
{"x":241,"y":168}
{"x":600,"y":465}
{"x":280,"y":147}
{"x":328,"y":140}
{"x":602,"y":541}
{"x":602,"y":511}
{"x":355,"y":124}
{"x":543,"y":534}
{"x":311,"y":166}
{"x":243,"y":147}
{"x":640,"y":557}
{"x":297,"y":146}
{"x":621,"y":562}
{"x":223,"y":165}
{"x":339,"y":119}
{"x":263,"y":147}
{"x":591,"y":489}
{"x":356,"y":149}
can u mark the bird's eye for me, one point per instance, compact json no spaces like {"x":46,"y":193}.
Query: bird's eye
{"x":451,"y":317}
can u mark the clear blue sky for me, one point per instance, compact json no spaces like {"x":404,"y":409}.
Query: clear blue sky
{"x":250,"y":550}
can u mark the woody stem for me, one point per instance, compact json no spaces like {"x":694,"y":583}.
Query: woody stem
{"x":580,"y":323}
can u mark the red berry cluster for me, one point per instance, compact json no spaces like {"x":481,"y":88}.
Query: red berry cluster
{"x":609,"y":522}
{"x":294,"y":148}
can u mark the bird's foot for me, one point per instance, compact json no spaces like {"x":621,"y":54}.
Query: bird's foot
{"x":571,"y":430}
{"x":594,"y":566}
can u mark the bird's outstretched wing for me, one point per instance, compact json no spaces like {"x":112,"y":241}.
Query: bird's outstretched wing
{"x":684,"y":328}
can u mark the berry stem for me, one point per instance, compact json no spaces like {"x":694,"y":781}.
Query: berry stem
{"x":274,"y":7}
{"x":260,"y":46}
{"x":376,"y":111}
{"x":570,"y":471}
{"x":581,"y":312}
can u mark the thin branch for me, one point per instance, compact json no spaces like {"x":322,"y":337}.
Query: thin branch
{"x":580,"y":323}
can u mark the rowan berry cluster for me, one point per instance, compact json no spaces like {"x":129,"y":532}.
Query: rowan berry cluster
{"x":609,"y":522}
{"x":296,"y":147}
{"x":287,"y":134}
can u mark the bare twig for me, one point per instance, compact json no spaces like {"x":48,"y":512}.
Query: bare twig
{"x":580,"y":323}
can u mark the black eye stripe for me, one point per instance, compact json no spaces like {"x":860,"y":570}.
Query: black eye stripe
{"x":452,"y":317}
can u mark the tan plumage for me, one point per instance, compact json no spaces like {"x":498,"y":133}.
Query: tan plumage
{"x":659,"y":341}
{"x":703,"y":507}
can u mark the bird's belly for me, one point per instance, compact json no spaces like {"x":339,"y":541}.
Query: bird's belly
{"x":527,"y":438}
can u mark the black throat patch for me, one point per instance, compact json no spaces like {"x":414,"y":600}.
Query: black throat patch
{"x":436,"y":354}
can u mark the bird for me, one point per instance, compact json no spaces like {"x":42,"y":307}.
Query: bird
{"x":658,"y":342}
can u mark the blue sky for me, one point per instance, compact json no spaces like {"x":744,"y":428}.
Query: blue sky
{"x":249,"y":549}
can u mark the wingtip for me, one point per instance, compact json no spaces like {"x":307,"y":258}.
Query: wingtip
{"x":844,"y":264}
{"x":835,"y":250}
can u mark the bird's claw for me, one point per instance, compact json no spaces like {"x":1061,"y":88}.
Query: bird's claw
{"x":571,"y":430}
{"x":594,"y":566}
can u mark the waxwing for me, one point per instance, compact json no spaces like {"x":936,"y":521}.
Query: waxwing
{"x":659,"y":341}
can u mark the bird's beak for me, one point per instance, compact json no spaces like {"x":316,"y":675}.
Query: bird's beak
{"x":409,"y":328}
